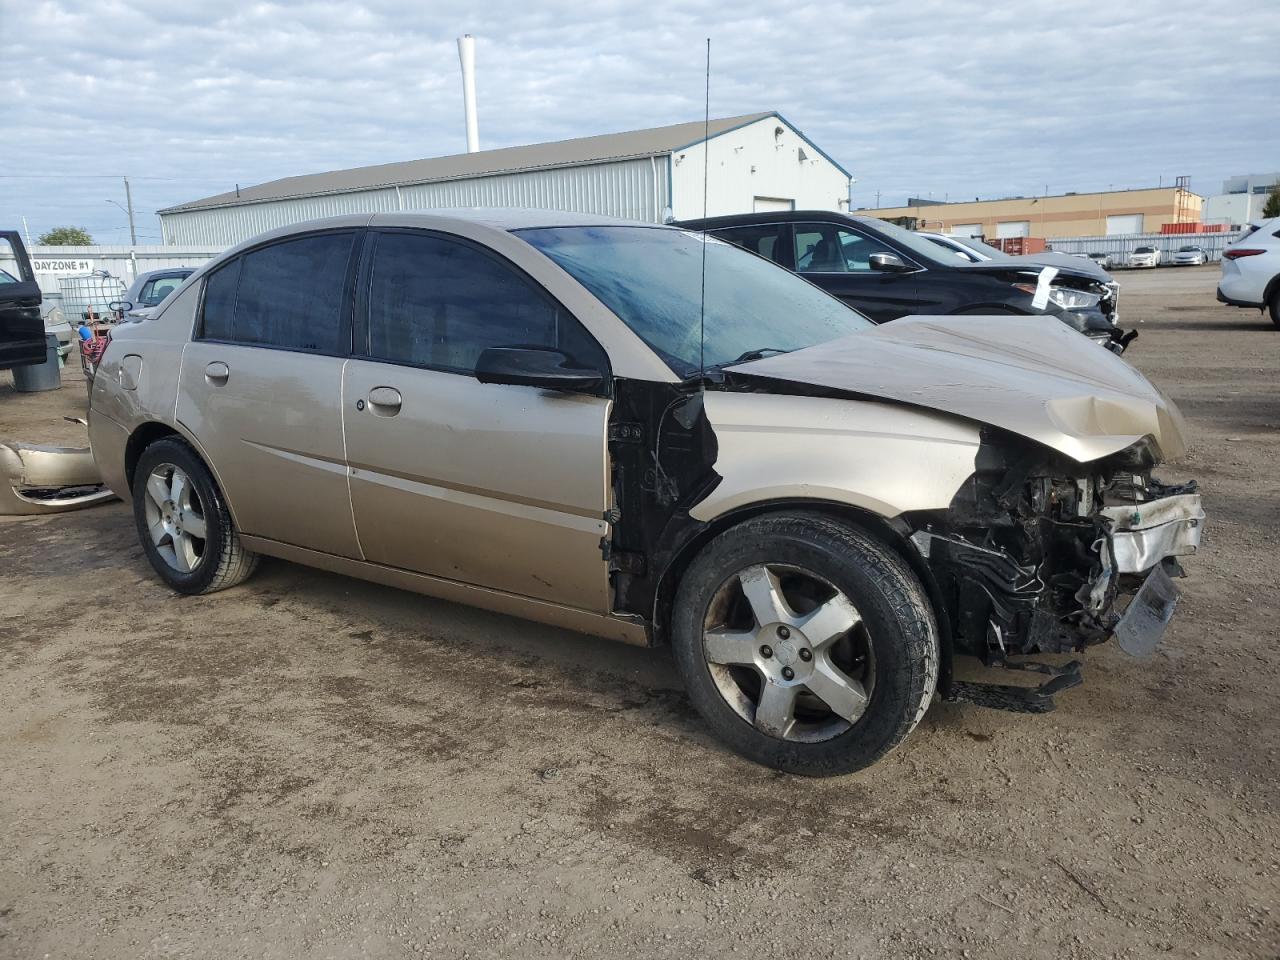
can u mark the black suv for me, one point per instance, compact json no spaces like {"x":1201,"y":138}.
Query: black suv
{"x":21,"y":328}
{"x":887,"y":272}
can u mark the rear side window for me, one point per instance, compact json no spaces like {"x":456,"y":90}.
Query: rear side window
{"x":289,"y":295}
{"x":154,"y":291}
{"x":220,"y":301}
{"x":439,"y":303}
{"x":764,"y":239}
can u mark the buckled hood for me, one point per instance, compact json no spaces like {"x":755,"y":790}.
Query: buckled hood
{"x":1029,"y":375}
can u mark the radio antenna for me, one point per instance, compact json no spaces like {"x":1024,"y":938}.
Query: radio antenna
{"x":706,"y":163}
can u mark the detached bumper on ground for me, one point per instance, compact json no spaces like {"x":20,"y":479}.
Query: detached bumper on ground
{"x":38,"y":479}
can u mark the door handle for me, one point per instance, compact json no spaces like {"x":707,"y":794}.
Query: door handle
{"x":385,"y":401}
{"x":217,"y":372}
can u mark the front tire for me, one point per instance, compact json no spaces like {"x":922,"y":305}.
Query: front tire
{"x":183,"y":522}
{"x":806,"y":645}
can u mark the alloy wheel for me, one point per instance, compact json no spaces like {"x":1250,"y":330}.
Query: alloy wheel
{"x":789,"y":652}
{"x":175,"y":517}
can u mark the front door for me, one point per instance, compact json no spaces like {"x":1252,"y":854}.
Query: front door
{"x":838,"y":260}
{"x":261,"y":389}
{"x":493,"y":485}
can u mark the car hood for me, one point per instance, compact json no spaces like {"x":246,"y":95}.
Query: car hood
{"x":1073,"y":266}
{"x":1067,"y":264}
{"x":1031,"y":376}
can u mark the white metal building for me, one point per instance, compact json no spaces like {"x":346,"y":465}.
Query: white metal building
{"x":1241,"y":201}
{"x":756,"y":162}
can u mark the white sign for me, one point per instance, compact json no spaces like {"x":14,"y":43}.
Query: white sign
{"x":69,"y":265}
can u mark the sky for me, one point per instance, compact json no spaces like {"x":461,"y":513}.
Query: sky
{"x":946,"y":99}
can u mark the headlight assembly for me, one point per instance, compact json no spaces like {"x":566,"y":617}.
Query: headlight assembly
{"x":1067,"y":298}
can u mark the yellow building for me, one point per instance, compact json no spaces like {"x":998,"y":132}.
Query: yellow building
{"x":1112,"y":213}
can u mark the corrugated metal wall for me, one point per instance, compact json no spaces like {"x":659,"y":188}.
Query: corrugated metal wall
{"x":121,"y":261}
{"x":636,"y":189}
{"x":1119,"y":246}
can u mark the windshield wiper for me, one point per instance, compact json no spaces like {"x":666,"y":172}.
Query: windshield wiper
{"x":758,"y":354}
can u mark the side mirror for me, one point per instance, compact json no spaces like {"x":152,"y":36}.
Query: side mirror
{"x":887,"y":263}
{"x":535,"y":367}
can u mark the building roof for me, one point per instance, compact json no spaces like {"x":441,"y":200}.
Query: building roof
{"x":535,"y":156}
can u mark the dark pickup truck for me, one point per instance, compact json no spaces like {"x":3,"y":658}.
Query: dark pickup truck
{"x":21,"y":327}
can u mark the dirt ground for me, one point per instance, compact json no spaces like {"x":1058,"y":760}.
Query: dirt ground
{"x":311,"y":766}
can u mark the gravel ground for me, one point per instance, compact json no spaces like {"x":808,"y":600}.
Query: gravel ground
{"x":310,"y":766}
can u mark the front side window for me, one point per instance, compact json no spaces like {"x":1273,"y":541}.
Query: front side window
{"x":439,"y":303}
{"x":289,"y":295}
{"x":826,"y":248}
{"x":652,"y":279}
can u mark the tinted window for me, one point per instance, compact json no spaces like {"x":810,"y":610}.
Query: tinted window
{"x":291,"y":293}
{"x":826,"y":248}
{"x":652,"y":278}
{"x":220,"y":301}
{"x":766,"y":239}
{"x":439,"y":303}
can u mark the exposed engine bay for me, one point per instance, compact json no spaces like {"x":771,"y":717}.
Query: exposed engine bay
{"x":1038,"y":553}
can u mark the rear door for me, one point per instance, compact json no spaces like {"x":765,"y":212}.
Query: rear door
{"x":21,"y":328}
{"x":837,"y":258}
{"x":261,"y":388}
{"x":493,"y":485}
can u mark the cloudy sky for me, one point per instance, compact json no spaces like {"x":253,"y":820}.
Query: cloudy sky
{"x":942,"y":98}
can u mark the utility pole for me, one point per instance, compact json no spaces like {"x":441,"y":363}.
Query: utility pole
{"x":877,"y":199}
{"x":128,"y":199}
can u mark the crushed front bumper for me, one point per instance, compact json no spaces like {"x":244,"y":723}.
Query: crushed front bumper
{"x":1143,"y":534}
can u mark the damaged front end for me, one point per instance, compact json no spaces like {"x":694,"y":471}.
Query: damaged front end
{"x":1041,"y":554}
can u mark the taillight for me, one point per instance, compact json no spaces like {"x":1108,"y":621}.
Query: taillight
{"x":1237,"y":254}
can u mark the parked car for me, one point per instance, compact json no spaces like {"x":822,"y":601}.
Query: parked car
{"x":1190,"y":256}
{"x":978,"y":251}
{"x":643,"y":433}
{"x":148,"y":290}
{"x":21,"y":326}
{"x":1103,"y":260}
{"x":887,"y":272}
{"x":1251,"y":270}
{"x":1145,"y":256}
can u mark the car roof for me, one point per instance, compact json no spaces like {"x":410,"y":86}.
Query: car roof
{"x":776,"y":216}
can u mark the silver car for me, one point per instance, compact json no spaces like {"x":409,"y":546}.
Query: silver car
{"x":643,"y":433}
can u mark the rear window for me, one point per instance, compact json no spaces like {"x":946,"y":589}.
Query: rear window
{"x":290,"y":295}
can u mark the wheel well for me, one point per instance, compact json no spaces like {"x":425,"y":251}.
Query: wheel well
{"x":1272,"y":286}
{"x":865,"y":521}
{"x":141,"y":438}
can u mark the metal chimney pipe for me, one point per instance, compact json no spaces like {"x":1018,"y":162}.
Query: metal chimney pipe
{"x":467,"y":56}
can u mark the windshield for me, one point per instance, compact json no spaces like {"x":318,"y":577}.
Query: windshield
{"x":1188,"y":249}
{"x":651,"y":277}
{"x":925,"y":248}
{"x":1144,"y":250}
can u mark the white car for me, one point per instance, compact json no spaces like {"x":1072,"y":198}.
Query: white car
{"x":1251,"y":270}
{"x":1145,"y":257}
{"x":1190,"y":256}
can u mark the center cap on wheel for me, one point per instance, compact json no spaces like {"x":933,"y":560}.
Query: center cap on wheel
{"x":787,"y":652}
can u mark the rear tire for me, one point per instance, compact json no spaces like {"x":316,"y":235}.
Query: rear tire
{"x":183,"y":522}
{"x":1274,"y":305}
{"x":786,"y":693}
